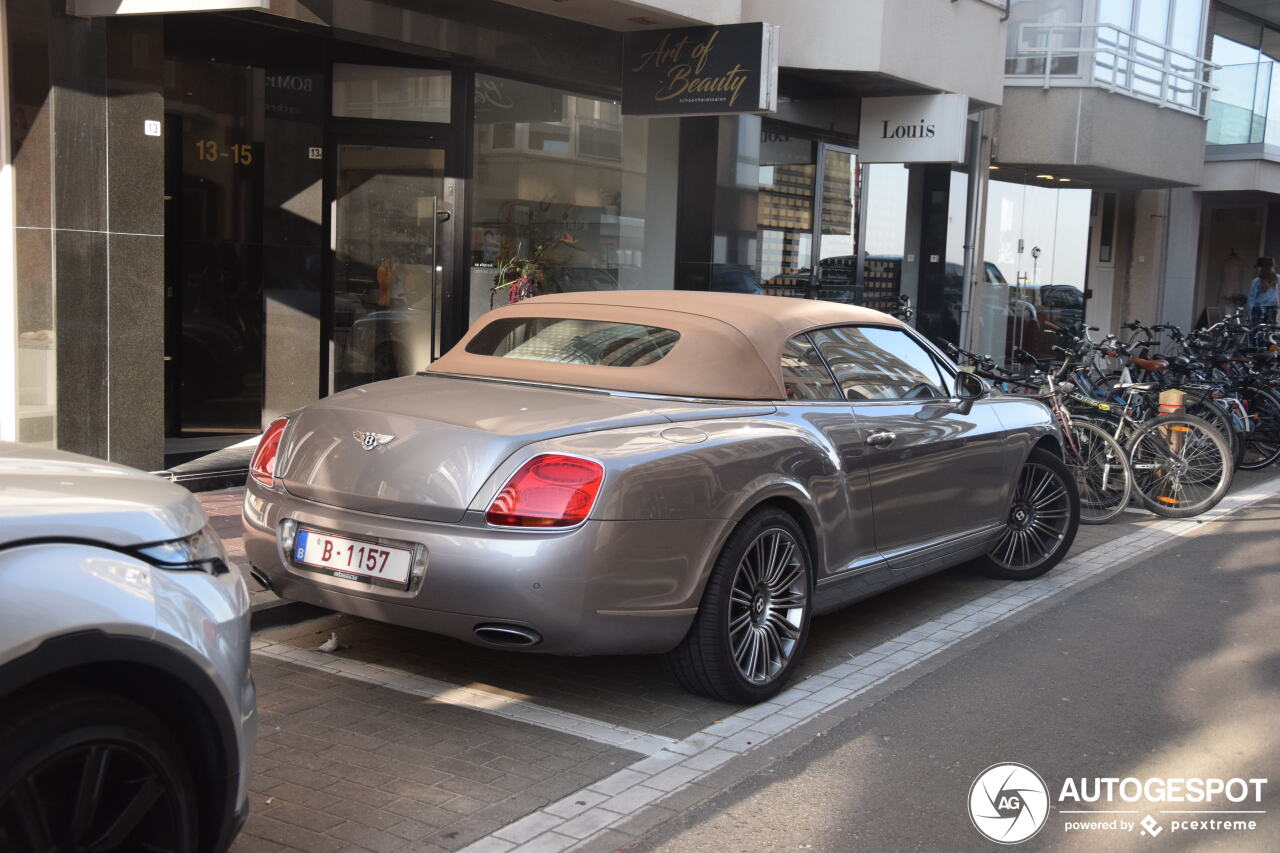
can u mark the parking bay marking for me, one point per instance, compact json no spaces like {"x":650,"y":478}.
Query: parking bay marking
{"x":517,"y":710}
{"x":604,"y":805}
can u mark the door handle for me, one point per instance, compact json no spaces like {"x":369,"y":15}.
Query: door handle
{"x":881,"y":438}
{"x":444,"y":215}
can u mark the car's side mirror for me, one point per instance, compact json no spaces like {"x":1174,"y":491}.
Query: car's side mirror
{"x":969,"y":387}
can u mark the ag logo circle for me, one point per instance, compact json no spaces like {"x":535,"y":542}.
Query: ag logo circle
{"x":1008,"y":803}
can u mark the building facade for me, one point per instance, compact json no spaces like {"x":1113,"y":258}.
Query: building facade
{"x":223,"y":214}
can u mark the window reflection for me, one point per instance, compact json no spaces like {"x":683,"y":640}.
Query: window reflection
{"x":788,"y":169}
{"x":562,"y":194}
{"x":1037,"y":250}
{"x":387,"y":92}
{"x":385,"y":267}
{"x":804,"y":375}
{"x":838,"y":249}
{"x":873,"y":363}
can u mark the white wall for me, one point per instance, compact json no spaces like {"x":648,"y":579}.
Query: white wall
{"x":953,"y":47}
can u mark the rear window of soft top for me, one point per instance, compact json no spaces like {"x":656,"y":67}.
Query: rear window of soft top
{"x":568,"y":341}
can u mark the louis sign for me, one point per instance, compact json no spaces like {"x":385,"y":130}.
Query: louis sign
{"x":914,"y":129}
{"x":701,"y":71}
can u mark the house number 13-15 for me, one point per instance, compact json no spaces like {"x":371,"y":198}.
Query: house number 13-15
{"x":209,"y":151}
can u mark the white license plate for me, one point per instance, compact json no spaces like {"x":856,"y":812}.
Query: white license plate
{"x":352,"y":558}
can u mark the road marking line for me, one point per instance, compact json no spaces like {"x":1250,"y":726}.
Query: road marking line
{"x":511,"y":708}
{"x":616,"y":797}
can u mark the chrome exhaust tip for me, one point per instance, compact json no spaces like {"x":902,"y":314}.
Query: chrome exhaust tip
{"x":261,"y":577}
{"x":507,"y":635}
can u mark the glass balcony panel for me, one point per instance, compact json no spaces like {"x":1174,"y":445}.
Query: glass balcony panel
{"x":1239,"y":107}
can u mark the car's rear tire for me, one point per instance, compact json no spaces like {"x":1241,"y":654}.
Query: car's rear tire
{"x":755,"y":613}
{"x":1044,"y":514}
{"x":94,"y":771}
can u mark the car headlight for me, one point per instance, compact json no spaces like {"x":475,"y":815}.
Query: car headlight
{"x":200,"y":552}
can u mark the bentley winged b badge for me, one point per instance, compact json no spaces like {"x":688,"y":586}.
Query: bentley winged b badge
{"x":370,"y":440}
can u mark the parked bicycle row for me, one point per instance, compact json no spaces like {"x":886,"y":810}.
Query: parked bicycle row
{"x":1152,"y":414}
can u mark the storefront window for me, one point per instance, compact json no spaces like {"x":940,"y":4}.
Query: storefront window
{"x":569,"y":195}
{"x":838,"y":246}
{"x":1037,"y":254}
{"x":884,"y":192}
{"x":788,"y":169}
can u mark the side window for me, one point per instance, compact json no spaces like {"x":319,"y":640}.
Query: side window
{"x":803,"y":373}
{"x":874,"y":363}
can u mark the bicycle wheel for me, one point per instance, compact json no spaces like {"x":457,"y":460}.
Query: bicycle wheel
{"x":1101,"y":471}
{"x":1262,"y":444}
{"x":1181,"y":465}
{"x":1208,"y":409}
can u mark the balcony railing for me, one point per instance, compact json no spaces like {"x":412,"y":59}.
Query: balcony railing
{"x":1112,"y":58}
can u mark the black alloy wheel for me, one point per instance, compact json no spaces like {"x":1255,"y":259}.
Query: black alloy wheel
{"x":84,"y":772}
{"x":1044,"y":514}
{"x":755,"y":613}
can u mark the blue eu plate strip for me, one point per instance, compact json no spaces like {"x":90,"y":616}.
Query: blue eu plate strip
{"x":300,"y":550}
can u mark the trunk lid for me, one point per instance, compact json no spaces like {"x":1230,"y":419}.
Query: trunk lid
{"x":449,"y":435}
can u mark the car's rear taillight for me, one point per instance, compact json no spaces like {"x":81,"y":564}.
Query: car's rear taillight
{"x":548,"y":491}
{"x":263,"y":466}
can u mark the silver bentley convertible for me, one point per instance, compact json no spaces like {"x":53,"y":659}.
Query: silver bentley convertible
{"x":639,"y":472}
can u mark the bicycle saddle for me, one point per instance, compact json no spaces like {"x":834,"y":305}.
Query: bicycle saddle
{"x":1148,"y":363}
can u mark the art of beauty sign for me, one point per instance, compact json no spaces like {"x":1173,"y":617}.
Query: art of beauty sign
{"x":701,"y":71}
{"x":913,"y":129}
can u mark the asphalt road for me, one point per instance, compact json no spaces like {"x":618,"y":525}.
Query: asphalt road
{"x":1170,"y":668}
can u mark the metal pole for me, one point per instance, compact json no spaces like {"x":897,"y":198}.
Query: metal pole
{"x":973,"y":206}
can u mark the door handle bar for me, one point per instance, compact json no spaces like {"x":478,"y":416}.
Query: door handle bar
{"x":881,"y":438}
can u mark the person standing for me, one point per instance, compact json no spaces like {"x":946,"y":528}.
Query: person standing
{"x":1261,"y":307}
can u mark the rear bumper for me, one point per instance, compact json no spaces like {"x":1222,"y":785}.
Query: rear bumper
{"x":606,"y":587}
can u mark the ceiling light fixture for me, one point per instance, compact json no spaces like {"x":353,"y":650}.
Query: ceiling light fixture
{"x":1045,"y":177}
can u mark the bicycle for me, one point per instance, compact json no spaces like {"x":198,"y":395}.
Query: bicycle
{"x":1097,"y":462}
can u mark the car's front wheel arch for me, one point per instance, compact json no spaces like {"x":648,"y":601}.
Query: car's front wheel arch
{"x":161,"y":681}
{"x":1049,"y":443}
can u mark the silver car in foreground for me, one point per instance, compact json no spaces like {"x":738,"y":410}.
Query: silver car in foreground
{"x":127,"y":712}
{"x":640,"y":472}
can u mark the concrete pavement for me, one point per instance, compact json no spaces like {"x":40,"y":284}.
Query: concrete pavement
{"x":1168,"y":669}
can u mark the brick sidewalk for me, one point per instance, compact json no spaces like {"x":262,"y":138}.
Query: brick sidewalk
{"x":346,"y":765}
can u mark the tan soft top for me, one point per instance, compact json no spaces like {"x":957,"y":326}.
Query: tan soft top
{"x":730,"y":344}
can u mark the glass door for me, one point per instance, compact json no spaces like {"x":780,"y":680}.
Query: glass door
{"x":215,"y":185}
{"x":387,"y":268}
